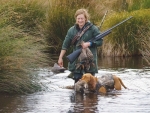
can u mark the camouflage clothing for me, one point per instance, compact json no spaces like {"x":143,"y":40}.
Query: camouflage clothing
{"x":106,"y":81}
{"x":90,"y":33}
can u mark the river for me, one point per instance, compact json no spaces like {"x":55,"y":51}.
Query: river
{"x":56,"y":99}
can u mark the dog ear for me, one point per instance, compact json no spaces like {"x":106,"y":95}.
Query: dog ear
{"x":83,"y":77}
{"x":92,"y":82}
{"x":102,"y":90}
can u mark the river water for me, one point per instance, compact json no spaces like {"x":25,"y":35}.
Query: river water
{"x":56,"y":99}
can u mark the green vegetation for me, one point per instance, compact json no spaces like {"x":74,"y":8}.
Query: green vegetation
{"x":31,"y":31}
{"x":138,"y":4}
{"x":22,"y":45}
{"x":128,"y":39}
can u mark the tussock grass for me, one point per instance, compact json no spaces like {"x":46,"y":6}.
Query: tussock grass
{"x":129,"y":38}
{"x":22,"y":45}
{"x":24,"y":14}
{"x":138,"y":4}
{"x":18,"y":83}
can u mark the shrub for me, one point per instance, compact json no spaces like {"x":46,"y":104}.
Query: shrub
{"x":24,"y":14}
{"x":129,"y":38}
{"x":138,"y":4}
{"x":22,"y":45}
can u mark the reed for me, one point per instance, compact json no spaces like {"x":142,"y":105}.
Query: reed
{"x":138,"y":4}
{"x":18,"y":83}
{"x":127,"y":39}
{"x":22,"y":45}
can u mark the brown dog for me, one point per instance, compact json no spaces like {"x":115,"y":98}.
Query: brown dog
{"x":102,"y":84}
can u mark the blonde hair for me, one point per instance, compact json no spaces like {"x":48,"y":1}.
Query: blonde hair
{"x":84,"y":12}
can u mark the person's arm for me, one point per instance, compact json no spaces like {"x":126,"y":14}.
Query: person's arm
{"x":65,"y":46}
{"x":60,"y":60}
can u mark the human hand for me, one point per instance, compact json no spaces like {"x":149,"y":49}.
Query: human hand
{"x":85,"y":45}
{"x":60,"y":62}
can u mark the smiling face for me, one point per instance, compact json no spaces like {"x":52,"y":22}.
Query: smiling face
{"x":81,"y":17}
{"x":81,"y":20}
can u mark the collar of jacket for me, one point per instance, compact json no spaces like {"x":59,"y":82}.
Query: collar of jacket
{"x":86,"y":24}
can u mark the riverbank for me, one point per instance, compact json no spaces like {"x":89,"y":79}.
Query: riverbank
{"x":22,"y":45}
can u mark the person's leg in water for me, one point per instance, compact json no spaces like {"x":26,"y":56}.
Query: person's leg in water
{"x":92,"y":73}
{"x":77,"y":76}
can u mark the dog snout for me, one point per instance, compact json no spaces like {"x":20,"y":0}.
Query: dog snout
{"x":81,"y":90}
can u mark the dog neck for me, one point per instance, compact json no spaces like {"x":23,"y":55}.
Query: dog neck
{"x":93,"y":82}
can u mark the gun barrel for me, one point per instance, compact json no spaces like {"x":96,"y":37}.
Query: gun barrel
{"x":100,"y":36}
{"x":73,"y":56}
{"x":120,"y":23}
{"x":108,"y":31}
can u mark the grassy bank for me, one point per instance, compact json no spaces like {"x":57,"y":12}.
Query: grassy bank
{"x":22,"y":45}
{"x":129,"y":39}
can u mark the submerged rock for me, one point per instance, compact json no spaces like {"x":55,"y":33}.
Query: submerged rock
{"x":57,"y":69}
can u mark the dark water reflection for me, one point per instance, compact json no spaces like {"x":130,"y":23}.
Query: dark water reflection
{"x":122,"y":62}
{"x":84,"y":103}
{"x":12,"y":103}
{"x":56,"y":99}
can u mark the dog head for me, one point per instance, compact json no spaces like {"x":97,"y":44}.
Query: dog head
{"x":81,"y":86}
{"x":87,"y":77}
{"x":90,"y":80}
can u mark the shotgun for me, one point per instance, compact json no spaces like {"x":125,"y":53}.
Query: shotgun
{"x":73,"y":56}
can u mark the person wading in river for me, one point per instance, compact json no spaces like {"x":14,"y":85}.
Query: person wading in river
{"x":78,"y":36}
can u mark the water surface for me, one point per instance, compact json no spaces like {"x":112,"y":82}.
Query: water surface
{"x":56,"y":99}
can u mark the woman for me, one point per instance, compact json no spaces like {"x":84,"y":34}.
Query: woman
{"x":82,"y":21}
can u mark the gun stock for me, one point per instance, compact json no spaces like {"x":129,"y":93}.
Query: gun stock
{"x":73,"y":56}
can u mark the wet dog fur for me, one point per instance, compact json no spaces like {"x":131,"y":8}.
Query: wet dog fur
{"x":90,"y":82}
{"x":81,"y":86}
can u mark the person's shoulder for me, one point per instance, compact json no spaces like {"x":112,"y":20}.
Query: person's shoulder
{"x":93,"y":26}
{"x":71,"y":28}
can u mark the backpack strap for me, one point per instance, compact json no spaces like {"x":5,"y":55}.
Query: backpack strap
{"x":80,"y":33}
